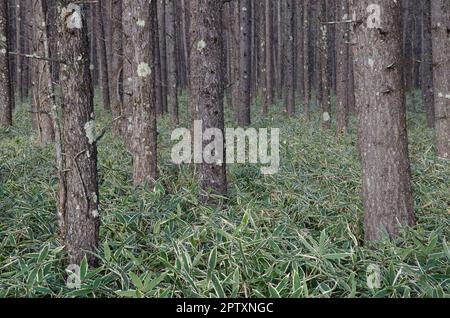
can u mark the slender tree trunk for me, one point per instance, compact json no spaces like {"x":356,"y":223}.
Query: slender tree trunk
{"x":103,"y":61}
{"x":6,"y":105}
{"x":208,"y":87}
{"x":325,"y":66}
{"x":243,"y":109}
{"x":159,"y":90}
{"x":427,"y":65}
{"x":115,"y":77}
{"x":163,"y":51}
{"x":41,"y":75}
{"x":440,"y":17}
{"x":172,"y":87}
{"x":269,"y":56}
{"x":140,"y":16}
{"x":342,"y":58}
{"x":382,"y":118}
{"x":306,"y":78}
{"x":290,"y":57}
{"x":81,"y":228}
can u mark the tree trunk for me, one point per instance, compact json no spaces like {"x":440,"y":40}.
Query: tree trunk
{"x":115,"y":77}
{"x":163,"y":51}
{"x":382,"y":118}
{"x":440,"y":17}
{"x":81,"y":226}
{"x":243,"y":108}
{"x":306,"y":79}
{"x":5,"y":78}
{"x":41,"y":75}
{"x":290,"y":57}
{"x":207,"y":86}
{"x":141,"y":15}
{"x":427,"y":65}
{"x":269,"y":57}
{"x":342,"y":39}
{"x":325,"y":66}
{"x":172,"y":87}
{"x":103,"y":61}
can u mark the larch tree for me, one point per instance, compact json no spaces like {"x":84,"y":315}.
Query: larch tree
{"x":342,"y":57}
{"x":42,"y":90}
{"x":102,"y":53}
{"x":290,"y":57}
{"x":245,"y":64}
{"x":380,"y":98}
{"x":306,"y":68}
{"x":116,"y":65}
{"x":268,"y":101}
{"x":161,"y":7}
{"x":207,"y":89}
{"x":427,"y":65}
{"x":80,"y":214}
{"x":172,"y":83}
{"x":440,"y":17}
{"x":6,"y":100}
{"x":141,"y":28}
{"x":325,"y":66}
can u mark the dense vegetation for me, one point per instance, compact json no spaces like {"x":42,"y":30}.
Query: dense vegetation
{"x":297,"y":233}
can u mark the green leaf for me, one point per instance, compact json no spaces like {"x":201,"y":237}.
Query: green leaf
{"x":212,"y":262}
{"x":43,"y":254}
{"x":273,"y":292}
{"x":150,"y":284}
{"x":106,"y":251}
{"x":217,"y":287}
{"x":83,"y":268}
{"x":136,"y":281}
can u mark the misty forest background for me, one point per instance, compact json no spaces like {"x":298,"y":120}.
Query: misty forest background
{"x":90,"y":93}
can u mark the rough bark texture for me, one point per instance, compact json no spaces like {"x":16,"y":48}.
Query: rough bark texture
{"x":342,"y":67}
{"x":306,"y":79}
{"x":42,"y":92}
{"x":207,"y":84}
{"x":325,"y":66}
{"x":269,"y":56}
{"x":382,"y":119}
{"x":172,"y":86}
{"x":141,"y":87}
{"x":427,"y":65}
{"x":103,"y":60}
{"x":440,"y":17}
{"x":163,"y":51}
{"x":5,"y":78}
{"x":290,"y":57}
{"x":243,"y":107}
{"x":81,"y":226}
{"x":115,"y":77}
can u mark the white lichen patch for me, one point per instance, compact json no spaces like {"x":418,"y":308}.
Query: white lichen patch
{"x":3,"y":38}
{"x":326,"y":117}
{"x":94,"y":197}
{"x":140,"y":23}
{"x":143,"y":70}
{"x":95,"y":214}
{"x":72,"y":15}
{"x":3,"y":51}
{"x":89,"y":129}
{"x":201,"y":45}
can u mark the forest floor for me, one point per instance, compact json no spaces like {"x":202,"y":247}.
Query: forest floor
{"x":297,"y":233}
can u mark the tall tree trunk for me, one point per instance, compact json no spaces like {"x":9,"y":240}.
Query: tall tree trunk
{"x":440,"y":17}
{"x":6,"y":100}
{"x":325,"y":66}
{"x":306,"y":78}
{"x":115,"y":77}
{"x":172,"y":87}
{"x":427,"y":65}
{"x":207,"y":86}
{"x":141,"y":17}
{"x":158,"y":85}
{"x":290,"y":57}
{"x":81,"y":228}
{"x":163,"y":51}
{"x":103,"y":59}
{"x":269,"y":56}
{"x":342,"y":58}
{"x":382,"y":118}
{"x":41,"y":75}
{"x":243,"y":108}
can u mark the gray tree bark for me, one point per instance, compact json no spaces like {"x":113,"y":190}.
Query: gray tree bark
{"x":81,"y":211}
{"x":245,"y":67}
{"x":6,"y":100}
{"x":380,"y":98}
{"x":440,"y":17}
